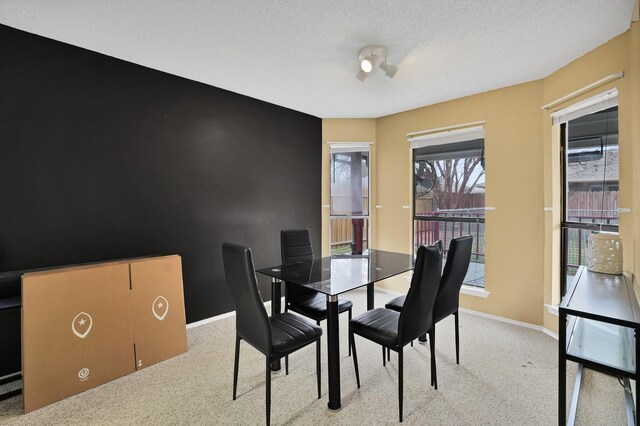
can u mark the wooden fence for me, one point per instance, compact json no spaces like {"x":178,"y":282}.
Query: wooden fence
{"x":342,"y":232}
{"x":428,"y":204}
{"x":583,"y":205}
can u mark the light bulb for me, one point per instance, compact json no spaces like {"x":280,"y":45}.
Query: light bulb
{"x":366,"y":64}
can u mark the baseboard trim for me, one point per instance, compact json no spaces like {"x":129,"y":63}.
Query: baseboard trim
{"x":550,"y":333}
{"x":502,"y":319}
{"x":469,"y":290}
{"x":209,"y":320}
{"x":511,"y":321}
{"x":389,"y":291}
{"x":395,"y":293}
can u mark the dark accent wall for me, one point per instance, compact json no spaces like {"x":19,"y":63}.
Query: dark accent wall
{"x":102,"y":159}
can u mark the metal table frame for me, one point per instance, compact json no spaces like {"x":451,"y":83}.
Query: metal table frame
{"x":333,"y":344}
{"x":615,"y":303}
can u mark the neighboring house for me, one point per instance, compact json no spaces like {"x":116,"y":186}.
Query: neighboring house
{"x":589,"y":175}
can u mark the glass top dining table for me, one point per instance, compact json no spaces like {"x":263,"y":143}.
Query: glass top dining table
{"x":332,"y":276}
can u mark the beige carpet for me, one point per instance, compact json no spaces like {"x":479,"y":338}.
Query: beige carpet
{"x":507,"y":376}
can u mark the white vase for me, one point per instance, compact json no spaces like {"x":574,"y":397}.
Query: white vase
{"x":604,"y":252}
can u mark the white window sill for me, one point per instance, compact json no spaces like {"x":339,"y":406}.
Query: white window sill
{"x":552,"y":309}
{"x":474,"y":291}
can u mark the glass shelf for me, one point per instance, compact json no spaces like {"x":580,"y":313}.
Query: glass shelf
{"x":604,"y":343}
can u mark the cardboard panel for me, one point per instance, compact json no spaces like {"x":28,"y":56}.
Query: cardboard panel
{"x":76,"y":331}
{"x":159,"y":325}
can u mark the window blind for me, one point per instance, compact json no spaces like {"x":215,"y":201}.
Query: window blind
{"x":458,"y":143}
{"x":596,"y":103}
{"x":451,"y":151}
{"x":341,"y":147}
{"x":447,"y":137}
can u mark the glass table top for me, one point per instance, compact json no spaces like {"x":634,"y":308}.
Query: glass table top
{"x":337,"y":274}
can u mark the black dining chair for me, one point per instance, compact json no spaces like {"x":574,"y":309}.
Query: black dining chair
{"x":275,"y":336}
{"x":295,"y":246}
{"x":448,"y":297}
{"x":394,"y":330}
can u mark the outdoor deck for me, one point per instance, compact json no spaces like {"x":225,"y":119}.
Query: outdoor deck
{"x":475,"y":274}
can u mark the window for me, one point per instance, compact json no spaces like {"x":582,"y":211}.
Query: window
{"x":349,"y":199}
{"x":449,"y":193}
{"x":589,"y":135}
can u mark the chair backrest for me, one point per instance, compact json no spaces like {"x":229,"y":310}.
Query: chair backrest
{"x":295,"y":246}
{"x":252,"y":321}
{"x":455,"y":269}
{"x":416,"y":315}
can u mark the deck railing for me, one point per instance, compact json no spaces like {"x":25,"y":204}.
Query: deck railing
{"x":576,"y":236}
{"x":448,"y":224}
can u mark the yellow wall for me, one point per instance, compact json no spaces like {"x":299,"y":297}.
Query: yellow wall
{"x":523,"y":175}
{"x":513,"y":153}
{"x":610,"y":58}
{"x":634,"y":48}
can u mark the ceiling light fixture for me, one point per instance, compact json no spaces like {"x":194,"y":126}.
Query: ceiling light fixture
{"x":372,"y":57}
{"x":367,"y":64}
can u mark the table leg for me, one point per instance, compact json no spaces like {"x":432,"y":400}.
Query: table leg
{"x":370,"y":297}
{"x":573,"y":408}
{"x":333,"y":351}
{"x":276,"y":288}
{"x":562,"y":370}
{"x":628,"y":399}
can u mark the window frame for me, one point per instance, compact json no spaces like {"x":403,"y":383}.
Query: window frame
{"x":565,"y":225}
{"x":350,"y":148}
{"x":445,"y":219}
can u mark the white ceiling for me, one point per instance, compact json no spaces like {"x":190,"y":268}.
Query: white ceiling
{"x":302,"y":54}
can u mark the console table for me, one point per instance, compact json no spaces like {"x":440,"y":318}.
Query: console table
{"x":599,"y":322}
{"x":10,"y":304}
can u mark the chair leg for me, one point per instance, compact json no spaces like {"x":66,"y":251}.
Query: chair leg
{"x":388,"y":354}
{"x":235,"y":366}
{"x":318,"y":365}
{"x":286,"y":365}
{"x":286,"y":298}
{"x":432,"y":345}
{"x":268,"y":392}
{"x":352,"y":342}
{"x":412,"y":343}
{"x":400,"y":379}
{"x":455,"y":314}
{"x":384,"y":358}
{"x":350,"y":320}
